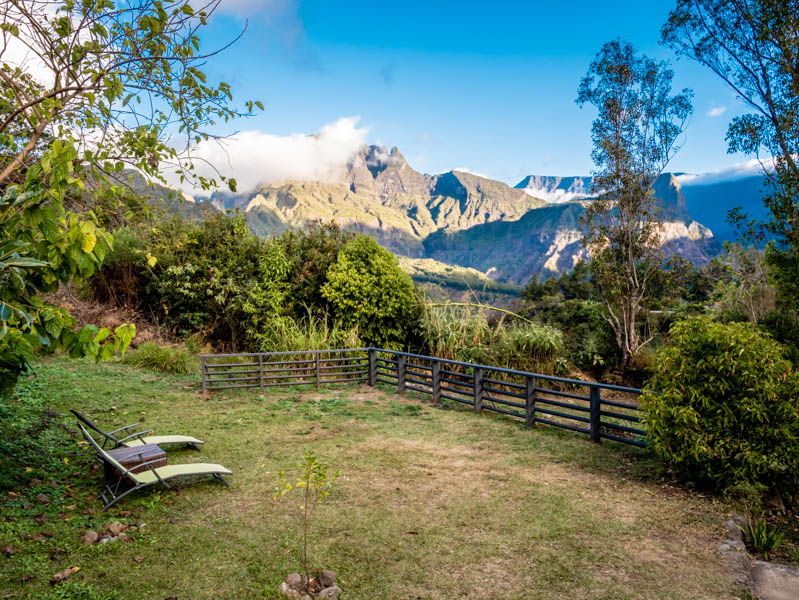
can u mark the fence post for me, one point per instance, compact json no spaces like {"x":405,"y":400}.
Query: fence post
{"x":596,"y":417}
{"x":318,"y":369}
{"x":372,"y":367}
{"x":401,"y":360}
{"x":202,"y":373}
{"x":436,"y":381}
{"x":478,"y":389}
{"x":529,"y":404}
{"x":261,"y":371}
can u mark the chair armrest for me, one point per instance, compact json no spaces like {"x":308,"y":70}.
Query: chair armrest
{"x":123,"y":428}
{"x":138,"y":434}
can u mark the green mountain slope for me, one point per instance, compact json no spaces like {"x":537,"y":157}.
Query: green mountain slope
{"x":381,"y":195}
{"x":546,"y":241}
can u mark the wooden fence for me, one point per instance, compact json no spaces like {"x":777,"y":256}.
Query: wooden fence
{"x":601,"y":411}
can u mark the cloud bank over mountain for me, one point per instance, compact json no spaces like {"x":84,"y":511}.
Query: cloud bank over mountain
{"x":750,"y":168}
{"x":255,"y":157}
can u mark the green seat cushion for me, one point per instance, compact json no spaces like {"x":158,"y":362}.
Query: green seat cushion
{"x":171,"y":471}
{"x":163,"y":439}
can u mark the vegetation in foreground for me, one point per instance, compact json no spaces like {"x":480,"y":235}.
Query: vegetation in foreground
{"x":508,"y":512}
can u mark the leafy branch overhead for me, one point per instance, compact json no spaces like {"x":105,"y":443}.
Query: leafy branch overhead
{"x":123,"y":83}
{"x":88,"y":90}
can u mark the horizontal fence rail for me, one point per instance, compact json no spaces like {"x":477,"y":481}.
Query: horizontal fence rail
{"x":599,"y":410}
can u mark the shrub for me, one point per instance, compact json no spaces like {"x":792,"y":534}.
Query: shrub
{"x":174,"y":361}
{"x":722,"y":407}
{"x":369,"y":291}
{"x":464,"y":333}
{"x":783,"y":325}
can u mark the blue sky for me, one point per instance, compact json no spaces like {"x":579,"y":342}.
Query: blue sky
{"x":487,"y":86}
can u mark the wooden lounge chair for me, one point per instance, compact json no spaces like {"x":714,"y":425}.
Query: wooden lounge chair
{"x":128,"y":481}
{"x":139,"y":438}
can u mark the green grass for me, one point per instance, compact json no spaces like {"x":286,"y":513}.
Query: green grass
{"x":431,"y":503}
{"x":162,"y":359}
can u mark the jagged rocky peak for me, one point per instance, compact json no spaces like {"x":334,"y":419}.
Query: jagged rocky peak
{"x":378,"y":159}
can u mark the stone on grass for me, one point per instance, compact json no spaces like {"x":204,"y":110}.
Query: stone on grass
{"x":327,"y":578}
{"x":89,"y":537}
{"x":115,"y":528}
{"x":294,"y":581}
{"x":733,"y":531}
{"x":9,"y":550}
{"x":287,"y":591}
{"x":330,"y":593}
{"x":42,"y":499}
{"x":775,"y":582}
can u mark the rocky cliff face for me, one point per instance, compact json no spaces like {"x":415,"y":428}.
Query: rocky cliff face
{"x":547,"y":241}
{"x":383,"y":196}
{"x":459,"y":218}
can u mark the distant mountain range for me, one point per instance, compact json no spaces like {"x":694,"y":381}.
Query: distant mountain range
{"x":457,"y":218}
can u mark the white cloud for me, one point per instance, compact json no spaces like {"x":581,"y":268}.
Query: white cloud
{"x":716,"y":111}
{"x":555,"y":196}
{"x":749,"y":168}
{"x":255,"y":157}
{"x":470,"y":172}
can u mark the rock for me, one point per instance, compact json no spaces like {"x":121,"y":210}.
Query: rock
{"x":36,"y":537}
{"x":288,"y":591}
{"x":89,"y":537}
{"x":40,"y":519}
{"x":115,"y":528}
{"x":733,"y":531}
{"x":775,"y":582}
{"x":294,"y":581}
{"x":9,"y":550}
{"x":35,"y":482}
{"x":43,"y":499}
{"x":62,"y":575}
{"x":305,"y":597}
{"x":138,"y":559}
{"x":330,"y":593}
{"x":732,"y":546}
{"x":327,"y":578}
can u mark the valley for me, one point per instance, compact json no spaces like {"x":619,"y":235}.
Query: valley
{"x":457,"y":219}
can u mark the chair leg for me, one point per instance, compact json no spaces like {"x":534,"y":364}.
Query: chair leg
{"x":116,"y":499}
{"x":221,"y":479}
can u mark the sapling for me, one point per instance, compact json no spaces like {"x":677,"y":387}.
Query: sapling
{"x":315,"y":484}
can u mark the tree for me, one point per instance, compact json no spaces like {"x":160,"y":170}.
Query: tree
{"x":635,"y":136}
{"x":746,"y":289}
{"x":751,"y":45}
{"x":87,"y":90}
{"x":369,"y":290}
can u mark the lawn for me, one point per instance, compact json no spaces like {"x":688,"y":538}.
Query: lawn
{"x":432,"y":502}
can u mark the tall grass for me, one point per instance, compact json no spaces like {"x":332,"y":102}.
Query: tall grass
{"x":162,"y":359}
{"x":464,"y":333}
{"x":285,"y":334}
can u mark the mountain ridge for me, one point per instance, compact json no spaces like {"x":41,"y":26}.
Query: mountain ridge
{"x":459,"y":218}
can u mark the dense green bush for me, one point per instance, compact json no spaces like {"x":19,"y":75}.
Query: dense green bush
{"x":215,"y":278}
{"x":163,"y":359}
{"x":369,"y":291}
{"x":722,"y":407}
{"x":783,"y":325}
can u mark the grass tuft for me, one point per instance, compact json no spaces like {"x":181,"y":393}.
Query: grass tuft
{"x":162,"y":359}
